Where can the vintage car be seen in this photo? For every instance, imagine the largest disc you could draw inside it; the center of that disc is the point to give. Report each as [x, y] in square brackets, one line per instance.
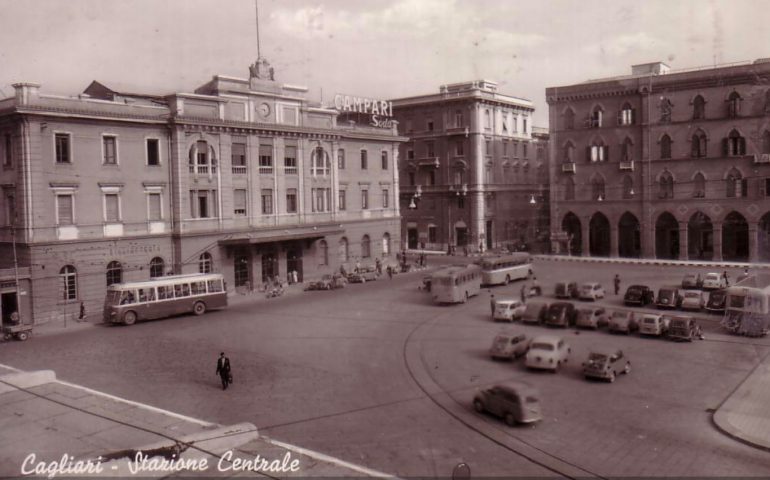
[591, 317]
[534, 312]
[566, 290]
[639, 295]
[426, 282]
[714, 281]
[363, 276]
[668, 297]
[591, 291]
[509, 345]
[716, 301]
[653, 324]
[547, 352]
[623, 322]
[692, 300]
[508, 310]
[682, 328]
[606, 364]
[691, 280]
[327, 282]
[515, 402]
[561, 314]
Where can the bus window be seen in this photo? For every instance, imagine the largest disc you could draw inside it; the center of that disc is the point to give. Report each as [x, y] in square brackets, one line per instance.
[127, 297]
[113, 297]
[146, 294]
[164, 293]
[198, 288]
[178, 291]
[214, 286]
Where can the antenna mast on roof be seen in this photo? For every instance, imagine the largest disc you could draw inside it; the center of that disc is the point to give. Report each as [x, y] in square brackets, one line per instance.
[261, 69]
[256, 9]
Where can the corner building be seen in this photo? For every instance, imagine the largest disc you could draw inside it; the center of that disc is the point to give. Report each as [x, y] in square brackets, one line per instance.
[474, 171]
[663, 164]
[245, 177]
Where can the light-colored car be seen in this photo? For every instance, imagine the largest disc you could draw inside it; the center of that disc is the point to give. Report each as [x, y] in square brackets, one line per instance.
[547, 352]
[509, 345]
[623, 321]
[591, 317]
[534, 311]
[515, 402]
[606, 364]
[683, 328]
[714, 281]
[591, 291]
[653, 324]
[509, 310]
[692, 300]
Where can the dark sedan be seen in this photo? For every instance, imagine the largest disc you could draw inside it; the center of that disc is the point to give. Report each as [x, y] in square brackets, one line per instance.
[639, 295]
[561, 314]
[716, 301]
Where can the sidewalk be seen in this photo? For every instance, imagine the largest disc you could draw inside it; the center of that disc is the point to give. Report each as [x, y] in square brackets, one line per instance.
[49, 419]
[745, 415]
[652, 261]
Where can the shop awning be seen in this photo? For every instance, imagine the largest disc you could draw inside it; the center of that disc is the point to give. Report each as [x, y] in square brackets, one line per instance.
[281, 236]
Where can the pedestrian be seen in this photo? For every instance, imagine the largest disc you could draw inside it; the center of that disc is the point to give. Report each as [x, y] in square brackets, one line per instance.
[358, 266]
[535, 290]
[524, 292]
[390, 272]
[492, 304]
[616, 281]
[378, 266]
[82, 316]
[727, 280]
[743, 276]
[223, 370]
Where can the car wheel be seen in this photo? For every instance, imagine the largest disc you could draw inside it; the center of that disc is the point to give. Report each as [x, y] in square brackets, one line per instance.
[510, 420]
[612, 377]
[129, 318]
[199, 308]
[627, 370]
[22, 336]
[478, 406]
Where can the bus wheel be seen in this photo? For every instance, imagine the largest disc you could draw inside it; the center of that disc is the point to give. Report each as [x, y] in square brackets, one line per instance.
[199, 308]
[129, 318]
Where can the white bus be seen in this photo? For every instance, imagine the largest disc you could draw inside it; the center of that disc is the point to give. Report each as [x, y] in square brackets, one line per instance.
[163, 297]
[506, 268]
[456, 284]
[747, 306]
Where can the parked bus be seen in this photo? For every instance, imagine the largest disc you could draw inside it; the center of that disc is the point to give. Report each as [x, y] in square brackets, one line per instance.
[163, 297]
[747, 307]
[506, 268]
[456, 284]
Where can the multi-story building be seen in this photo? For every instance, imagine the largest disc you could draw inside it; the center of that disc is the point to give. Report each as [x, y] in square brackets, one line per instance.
[474, 173]
[663, 164]
[245, 177]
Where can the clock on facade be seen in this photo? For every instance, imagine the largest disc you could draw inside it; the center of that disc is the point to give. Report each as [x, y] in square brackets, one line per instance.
[264, 110]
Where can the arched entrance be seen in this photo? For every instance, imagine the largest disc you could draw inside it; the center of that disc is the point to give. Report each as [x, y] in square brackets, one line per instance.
[599, 235]
[700, 236]
[667, 237]
[735, 238]
[763, 239]
[570, 225]
[629, 236]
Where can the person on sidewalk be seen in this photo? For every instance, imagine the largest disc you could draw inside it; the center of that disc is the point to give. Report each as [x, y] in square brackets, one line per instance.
[492, 304]
[743, 276]
[524, 292]
[223, 370]
[616, 281]
[82, 316]
[390, 272]
[727, 280]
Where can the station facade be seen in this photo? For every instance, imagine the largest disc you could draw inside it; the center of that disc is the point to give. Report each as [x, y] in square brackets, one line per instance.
[663, 164]
[245, 177]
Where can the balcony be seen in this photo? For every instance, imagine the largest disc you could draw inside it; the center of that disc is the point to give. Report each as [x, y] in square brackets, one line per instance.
[203, 169]
[762, 158]
[458, 131]
[239, 170]
[432, 162]
[628, 165]
[266, 170]
[290, 170]
[568, 167]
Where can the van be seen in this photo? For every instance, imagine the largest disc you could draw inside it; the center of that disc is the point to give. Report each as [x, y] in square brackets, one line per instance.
[534, 312]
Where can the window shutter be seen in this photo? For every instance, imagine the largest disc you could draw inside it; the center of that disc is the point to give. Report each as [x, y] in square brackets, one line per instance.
[606, 149]
[588, 154]
[65, 209]
[111, 207]
[725, 147]
[633, 116]
[155, 213]
[744, 187]
[742, 146]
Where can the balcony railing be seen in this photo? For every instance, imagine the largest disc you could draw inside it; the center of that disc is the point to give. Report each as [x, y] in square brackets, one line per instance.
[568, 167]
[239, 170]
[266, 170]
[203, 169]
[457, 130]
[429, 162]
[762, 158]
[290, 170]
[627, 165]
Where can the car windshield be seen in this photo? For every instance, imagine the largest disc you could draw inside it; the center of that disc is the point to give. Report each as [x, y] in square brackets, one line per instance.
[634, 289]
[712, 276]
[650, 320]
[585, 313]
[597, 357]
[717, 296]
[666, 292]
[542, 346]
[619, 316]
[678, 323]
[692, 295]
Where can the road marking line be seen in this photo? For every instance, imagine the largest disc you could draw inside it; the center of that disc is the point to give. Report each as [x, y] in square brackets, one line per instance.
[2, 365]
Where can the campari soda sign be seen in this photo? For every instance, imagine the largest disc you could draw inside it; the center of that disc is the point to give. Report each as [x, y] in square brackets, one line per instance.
[381, 111]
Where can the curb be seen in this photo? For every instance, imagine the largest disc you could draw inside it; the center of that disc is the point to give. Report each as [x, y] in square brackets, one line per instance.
[14, 381]
[724, 426]
[652, 262]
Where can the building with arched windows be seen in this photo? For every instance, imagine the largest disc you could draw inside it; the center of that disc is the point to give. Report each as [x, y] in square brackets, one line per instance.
[245, 177]
[474, 173]
[676, 164]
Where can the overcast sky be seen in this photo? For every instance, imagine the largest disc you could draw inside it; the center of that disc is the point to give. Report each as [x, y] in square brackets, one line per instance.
[382, 49]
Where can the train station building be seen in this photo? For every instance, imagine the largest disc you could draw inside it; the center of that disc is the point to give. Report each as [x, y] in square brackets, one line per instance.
[243, 176]
[663, 164]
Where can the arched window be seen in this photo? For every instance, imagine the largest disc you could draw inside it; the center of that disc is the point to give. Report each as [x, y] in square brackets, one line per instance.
[319, 163]
[627, 148]
[386, 245]
[366, 247]
[459, 174]
[699, 185]
[343, 251]
[665, 146]
[569, 152]
[156, 267]
[323, 253]
[569, 119]
[698, 108]
[734, 145]
[569, 188]
[666, 185]
[734, 105]
[202, 159]
[628, 187]
[735, 184]
[597, 188]
[69, 283]
[595, 120]
[626, 115]
[598, 152]
[699, 141]
[205, 263]
[114, 273]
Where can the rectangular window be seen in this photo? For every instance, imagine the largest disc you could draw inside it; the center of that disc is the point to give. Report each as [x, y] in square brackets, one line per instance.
[385, 198]
[460, 148]
[7, 151]
[153, 151]
[341, 200]
[410, 154]
[432, 234]
[64, 209]
[265, 159]
[364, 160]
[515, 149]
[10, 214]
[461, 202]
[238, 154]
[767, 187]
[430, 149]
[62, 148]
[429, 124]
[523, 150]
[267, 201]
[110, 150]
[291, 200]
[341, 159]
[239, 202]
[505, 148]
[111, 208]
[203, 204]
[290, 159]
[155, 211]
[488, 148]
[524, 125]
[515, 124]
[384, 160]
[364, 199]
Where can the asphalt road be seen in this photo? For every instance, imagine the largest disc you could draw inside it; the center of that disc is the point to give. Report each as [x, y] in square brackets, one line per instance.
[360, 374]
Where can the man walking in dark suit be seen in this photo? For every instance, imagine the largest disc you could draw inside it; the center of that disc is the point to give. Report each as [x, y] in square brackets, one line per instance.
[223, 370]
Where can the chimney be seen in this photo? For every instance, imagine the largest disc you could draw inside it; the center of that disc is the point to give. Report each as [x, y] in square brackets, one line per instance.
[26, 92]
[654, 68]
